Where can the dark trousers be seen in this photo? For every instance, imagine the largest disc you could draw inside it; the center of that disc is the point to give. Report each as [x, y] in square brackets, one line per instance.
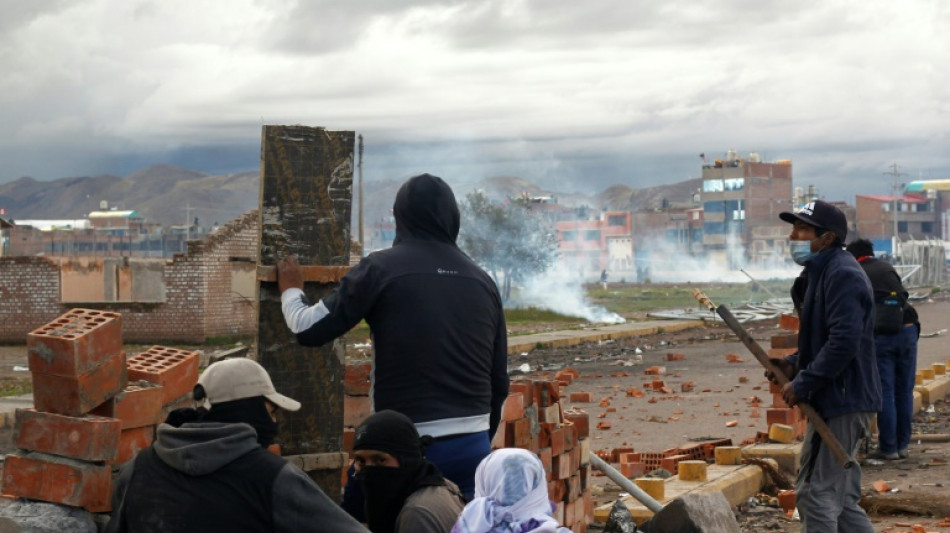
[897, 366]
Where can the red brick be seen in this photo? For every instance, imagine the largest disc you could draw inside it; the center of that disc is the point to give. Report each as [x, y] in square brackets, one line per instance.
[75, 343]
[670, 356]
[355, 410]
[687, 386]
[570, 436]
[48, 478]
[138, 404]
[580, 420]
[498, 441]
[550, 414]
[575, 454]
[617, 452]
[356, 381]
[513, 408]
[547, 393]
[569, 513]
[788, 416]
[76, 396]
[132, 441]
[557, 490]
[671, 464]
[557, 441]
[525, 388]
[582, 397]
[574, 486]
[633, 470]
[564, 377]
[628, 457]
[89, 438]
[561, 466]
[546, 460]
[781, 353]
[657, 384]
[778, 401]
[518, 433]
[175, 370]
[788, 322]
[787, 340]
[786, 500]
[349, 439]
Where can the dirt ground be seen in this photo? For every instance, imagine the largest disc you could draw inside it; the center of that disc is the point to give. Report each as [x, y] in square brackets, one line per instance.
[723, 393]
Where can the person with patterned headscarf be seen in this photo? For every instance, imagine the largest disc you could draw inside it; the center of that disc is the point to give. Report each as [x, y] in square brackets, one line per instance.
[511, 496]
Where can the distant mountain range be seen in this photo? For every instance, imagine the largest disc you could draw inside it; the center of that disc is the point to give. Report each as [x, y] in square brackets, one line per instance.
[173, 195]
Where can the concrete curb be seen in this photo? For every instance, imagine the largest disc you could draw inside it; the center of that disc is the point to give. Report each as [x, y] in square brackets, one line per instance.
[559, 339]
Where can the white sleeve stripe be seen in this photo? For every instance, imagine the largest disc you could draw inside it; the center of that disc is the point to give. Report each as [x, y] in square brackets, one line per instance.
[298, 316]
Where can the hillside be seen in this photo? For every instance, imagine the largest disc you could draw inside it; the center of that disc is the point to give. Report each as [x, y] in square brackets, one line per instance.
[173, 195]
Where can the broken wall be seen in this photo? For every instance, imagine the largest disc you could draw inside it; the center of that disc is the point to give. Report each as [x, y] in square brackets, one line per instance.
[187, 299]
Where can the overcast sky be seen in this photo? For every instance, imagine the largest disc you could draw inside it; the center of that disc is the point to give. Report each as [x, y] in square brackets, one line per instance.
[573, 95]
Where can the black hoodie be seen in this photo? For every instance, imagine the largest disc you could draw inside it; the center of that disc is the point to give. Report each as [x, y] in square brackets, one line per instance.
[436, 319]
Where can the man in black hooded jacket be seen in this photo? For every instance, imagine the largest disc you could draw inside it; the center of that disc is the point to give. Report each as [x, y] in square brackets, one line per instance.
[438, 328]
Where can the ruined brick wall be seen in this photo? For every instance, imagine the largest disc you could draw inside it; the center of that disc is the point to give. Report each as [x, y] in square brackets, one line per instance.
[29, 296]
[226, 255]
[199, 297]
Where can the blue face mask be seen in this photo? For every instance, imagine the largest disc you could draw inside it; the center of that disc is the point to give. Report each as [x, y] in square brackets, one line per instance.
[801, 251]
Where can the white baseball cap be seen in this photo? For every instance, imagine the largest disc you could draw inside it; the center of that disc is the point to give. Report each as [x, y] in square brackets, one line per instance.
[239, 378]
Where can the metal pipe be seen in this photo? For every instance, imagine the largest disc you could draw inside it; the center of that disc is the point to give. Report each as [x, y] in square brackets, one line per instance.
[625, 484]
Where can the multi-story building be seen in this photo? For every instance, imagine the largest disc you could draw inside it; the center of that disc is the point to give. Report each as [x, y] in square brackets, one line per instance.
[915, 217]
[741, 200]
[603, 242]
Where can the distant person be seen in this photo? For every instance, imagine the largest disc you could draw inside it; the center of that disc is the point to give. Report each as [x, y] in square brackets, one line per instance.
[437, 324]
[208, 470]
[834, 369]
[603, 278]
[896, 330]
[404, 492]
[511, 495]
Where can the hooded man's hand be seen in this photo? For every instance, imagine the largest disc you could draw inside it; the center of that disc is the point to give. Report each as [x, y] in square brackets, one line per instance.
[289, 274]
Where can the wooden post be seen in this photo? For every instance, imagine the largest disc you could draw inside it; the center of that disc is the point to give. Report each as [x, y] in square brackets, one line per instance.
[306, 195]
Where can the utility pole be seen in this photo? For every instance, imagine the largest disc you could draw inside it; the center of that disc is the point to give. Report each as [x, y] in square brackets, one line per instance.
[360, 167]
[896, 174]
[187, 221]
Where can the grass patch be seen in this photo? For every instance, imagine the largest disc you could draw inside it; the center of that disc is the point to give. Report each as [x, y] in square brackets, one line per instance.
[15, 387]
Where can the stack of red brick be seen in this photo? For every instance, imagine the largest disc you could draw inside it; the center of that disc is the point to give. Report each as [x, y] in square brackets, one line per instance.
[534, 419]
[782, 345]
[356, 403]
[88, 418]
[637, 464]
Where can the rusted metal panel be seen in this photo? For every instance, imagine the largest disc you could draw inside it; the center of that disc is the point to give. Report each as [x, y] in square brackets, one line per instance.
[306, 193]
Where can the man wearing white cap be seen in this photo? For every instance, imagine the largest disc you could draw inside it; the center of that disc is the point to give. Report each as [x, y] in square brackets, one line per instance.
[208, 469]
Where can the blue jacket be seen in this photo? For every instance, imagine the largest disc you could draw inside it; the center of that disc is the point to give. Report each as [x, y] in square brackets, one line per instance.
[835, 364]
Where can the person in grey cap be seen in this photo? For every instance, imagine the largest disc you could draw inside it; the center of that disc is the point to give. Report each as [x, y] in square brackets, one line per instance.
[834, 369]
[208, 469]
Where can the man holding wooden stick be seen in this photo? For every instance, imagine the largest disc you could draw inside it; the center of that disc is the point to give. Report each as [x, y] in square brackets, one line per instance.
[834, 370]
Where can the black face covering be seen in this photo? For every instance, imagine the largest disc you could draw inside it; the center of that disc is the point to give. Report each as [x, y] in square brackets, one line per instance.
[252, 411]
[386, 490]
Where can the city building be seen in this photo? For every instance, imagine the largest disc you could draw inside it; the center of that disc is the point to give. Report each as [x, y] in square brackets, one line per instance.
[741, 201]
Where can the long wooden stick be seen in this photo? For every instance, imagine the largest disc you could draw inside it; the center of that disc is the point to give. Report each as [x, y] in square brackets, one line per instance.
[827, 437]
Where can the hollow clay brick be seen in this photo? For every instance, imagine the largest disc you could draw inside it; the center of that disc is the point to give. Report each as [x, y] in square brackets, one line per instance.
[48, 478]
[88, 438]
[76, 396]
[175, 370]
[75, 343]
[138, 404]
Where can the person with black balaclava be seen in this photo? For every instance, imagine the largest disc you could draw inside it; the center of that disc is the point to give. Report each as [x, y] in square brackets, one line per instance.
[209, 469]
[440, 348]
[404, 492]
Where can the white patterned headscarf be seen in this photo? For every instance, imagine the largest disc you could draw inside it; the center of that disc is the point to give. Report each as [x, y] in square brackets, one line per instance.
[511, 496]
